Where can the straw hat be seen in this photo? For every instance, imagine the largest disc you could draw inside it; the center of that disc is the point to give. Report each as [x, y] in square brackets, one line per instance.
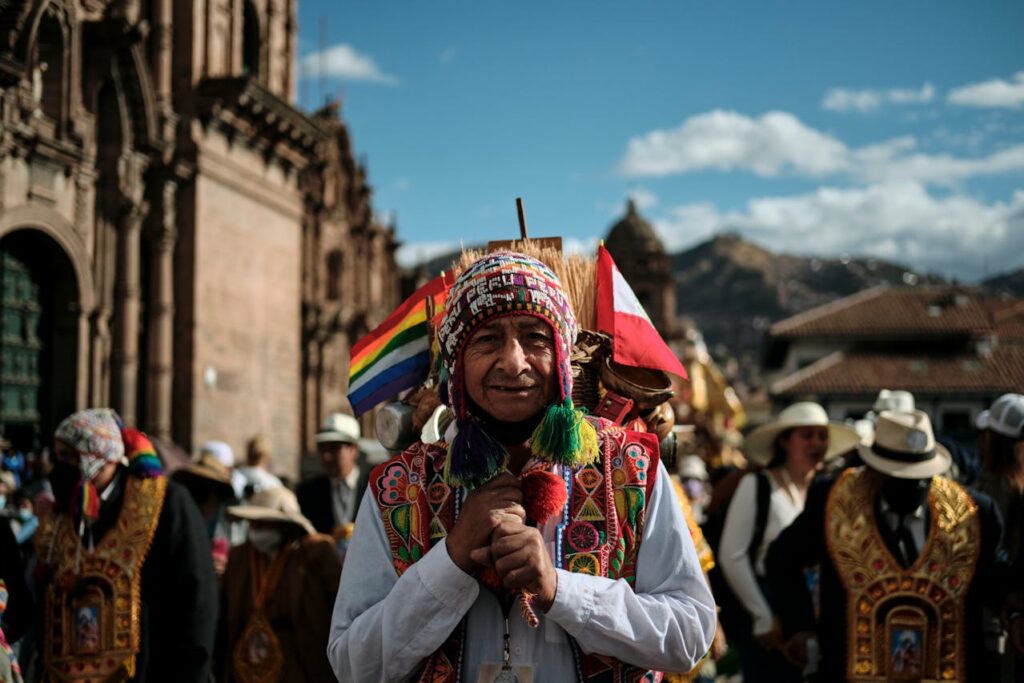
[277, 504]
[207, 468]
[905, 447]
[759, 444]
[339, 428]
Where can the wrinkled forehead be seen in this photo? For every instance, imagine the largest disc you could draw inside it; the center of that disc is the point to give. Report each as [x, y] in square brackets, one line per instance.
[516, 323]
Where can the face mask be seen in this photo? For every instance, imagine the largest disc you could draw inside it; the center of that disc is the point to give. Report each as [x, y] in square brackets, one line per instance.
[905, 495]
[3, 500]
[694, 489]
[64, 478]
[24, 514]
[265, 540]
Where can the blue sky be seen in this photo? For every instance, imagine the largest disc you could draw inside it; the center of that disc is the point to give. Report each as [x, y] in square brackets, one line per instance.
[887, 129]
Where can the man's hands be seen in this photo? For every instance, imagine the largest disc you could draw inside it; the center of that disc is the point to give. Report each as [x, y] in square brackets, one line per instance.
[491, 531]
[519, 557]
[486, 507]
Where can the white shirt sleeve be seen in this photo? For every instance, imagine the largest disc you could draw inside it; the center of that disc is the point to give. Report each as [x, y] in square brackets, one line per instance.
[384, 625]
[668, 621]
[737, 566]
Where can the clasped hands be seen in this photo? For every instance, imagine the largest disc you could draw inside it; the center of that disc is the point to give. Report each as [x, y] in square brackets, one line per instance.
[491, 531]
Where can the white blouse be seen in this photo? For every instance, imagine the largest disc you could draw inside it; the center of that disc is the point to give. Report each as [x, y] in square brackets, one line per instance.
[784, 506]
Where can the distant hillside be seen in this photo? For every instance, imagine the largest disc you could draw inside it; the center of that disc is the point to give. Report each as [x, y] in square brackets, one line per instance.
[1008, 283]
[734, 289]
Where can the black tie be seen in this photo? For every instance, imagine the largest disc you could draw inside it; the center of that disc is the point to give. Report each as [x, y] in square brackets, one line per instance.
[905, 539]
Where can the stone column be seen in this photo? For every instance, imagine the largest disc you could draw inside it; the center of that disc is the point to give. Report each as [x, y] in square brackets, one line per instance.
[161, 316]
[163, 37]
[126, 305]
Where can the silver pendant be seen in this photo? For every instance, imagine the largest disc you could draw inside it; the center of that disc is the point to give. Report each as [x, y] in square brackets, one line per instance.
[506, 676]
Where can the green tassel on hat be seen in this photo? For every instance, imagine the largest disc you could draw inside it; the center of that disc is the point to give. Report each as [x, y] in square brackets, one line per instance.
[564, 436]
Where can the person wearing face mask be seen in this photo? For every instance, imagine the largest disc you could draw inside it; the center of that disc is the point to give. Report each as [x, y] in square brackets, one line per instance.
[791, 449]
[908, 559]
[279, 589]
[125, 576]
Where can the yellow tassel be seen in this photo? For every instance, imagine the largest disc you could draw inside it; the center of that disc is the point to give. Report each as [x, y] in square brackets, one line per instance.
[590, 449]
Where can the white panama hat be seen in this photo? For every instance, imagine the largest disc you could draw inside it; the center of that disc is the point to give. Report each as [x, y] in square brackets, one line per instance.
[905, 447]
[693, 467]
[339, 428]
[759, 444]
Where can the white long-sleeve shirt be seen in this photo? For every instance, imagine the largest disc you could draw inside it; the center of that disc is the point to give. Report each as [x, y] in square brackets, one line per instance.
[738, 532]
[384, 625]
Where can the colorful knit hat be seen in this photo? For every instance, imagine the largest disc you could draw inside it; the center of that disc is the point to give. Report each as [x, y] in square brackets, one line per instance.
[501, 284]
[100, 437]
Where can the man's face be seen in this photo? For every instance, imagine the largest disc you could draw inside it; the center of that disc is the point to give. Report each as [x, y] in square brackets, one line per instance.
[509, 367]
[337, 459]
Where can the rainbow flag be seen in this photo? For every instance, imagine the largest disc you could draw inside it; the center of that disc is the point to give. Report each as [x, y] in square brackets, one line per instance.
[395, 355]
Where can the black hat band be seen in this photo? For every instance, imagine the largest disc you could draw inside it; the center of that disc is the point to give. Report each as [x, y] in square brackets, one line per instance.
[902, 456]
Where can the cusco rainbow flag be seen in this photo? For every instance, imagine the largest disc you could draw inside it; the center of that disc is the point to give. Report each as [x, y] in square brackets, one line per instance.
[396, 355]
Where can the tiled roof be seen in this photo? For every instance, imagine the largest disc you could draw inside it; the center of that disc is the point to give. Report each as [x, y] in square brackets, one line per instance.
[861, 373]
[894, 312]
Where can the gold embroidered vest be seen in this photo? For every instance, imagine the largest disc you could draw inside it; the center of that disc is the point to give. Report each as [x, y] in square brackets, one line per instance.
[904, 624]
[93, 601]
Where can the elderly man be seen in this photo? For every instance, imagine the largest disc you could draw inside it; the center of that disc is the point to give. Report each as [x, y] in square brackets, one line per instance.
[331, 499]
[607, 578]
[131, 593]
[908, 558]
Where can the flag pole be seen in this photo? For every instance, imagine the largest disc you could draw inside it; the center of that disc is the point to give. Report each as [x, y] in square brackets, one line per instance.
[522, 218]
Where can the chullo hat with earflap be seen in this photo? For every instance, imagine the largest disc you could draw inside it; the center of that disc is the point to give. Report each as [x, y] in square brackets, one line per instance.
[500, 284]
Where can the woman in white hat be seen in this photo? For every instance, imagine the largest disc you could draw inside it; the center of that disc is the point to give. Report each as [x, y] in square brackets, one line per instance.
[790, 450]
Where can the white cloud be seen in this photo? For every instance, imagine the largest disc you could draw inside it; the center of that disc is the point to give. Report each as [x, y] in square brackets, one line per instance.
[995, 92]
[940, 169]
[410, 254]
[900, 221]
[577, 245]
[844, 99]
[344, 62]
[643, 198]
[725, 140]
[778, 143]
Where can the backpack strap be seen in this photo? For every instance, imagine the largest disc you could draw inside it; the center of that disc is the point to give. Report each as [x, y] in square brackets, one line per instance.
[764, 499]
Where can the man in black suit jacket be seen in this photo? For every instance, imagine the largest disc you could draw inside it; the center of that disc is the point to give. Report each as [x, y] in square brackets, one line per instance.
[331, 499]
[907, 560]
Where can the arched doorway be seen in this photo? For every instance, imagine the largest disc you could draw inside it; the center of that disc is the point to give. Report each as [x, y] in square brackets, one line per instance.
[38, 338]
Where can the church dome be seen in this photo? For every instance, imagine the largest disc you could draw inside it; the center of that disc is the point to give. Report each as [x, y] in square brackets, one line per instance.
[633, 235]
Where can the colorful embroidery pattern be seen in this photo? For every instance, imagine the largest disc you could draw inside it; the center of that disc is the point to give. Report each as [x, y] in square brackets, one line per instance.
[600, 531]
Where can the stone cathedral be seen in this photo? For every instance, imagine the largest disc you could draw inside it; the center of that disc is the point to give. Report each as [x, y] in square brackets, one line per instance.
[177, 239]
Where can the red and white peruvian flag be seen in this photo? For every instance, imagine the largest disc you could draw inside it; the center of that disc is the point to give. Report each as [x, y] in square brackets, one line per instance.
[620, 315]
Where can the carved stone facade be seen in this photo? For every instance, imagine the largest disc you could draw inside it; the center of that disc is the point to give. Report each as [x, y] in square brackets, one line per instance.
[178, 240]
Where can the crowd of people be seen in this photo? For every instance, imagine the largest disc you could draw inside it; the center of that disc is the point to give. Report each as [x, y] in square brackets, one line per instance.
[529, 540]
[113, 569]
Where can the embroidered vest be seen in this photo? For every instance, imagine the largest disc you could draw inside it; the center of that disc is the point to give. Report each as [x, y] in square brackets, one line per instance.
[903, 624]
[599, 532]
[93, 601]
